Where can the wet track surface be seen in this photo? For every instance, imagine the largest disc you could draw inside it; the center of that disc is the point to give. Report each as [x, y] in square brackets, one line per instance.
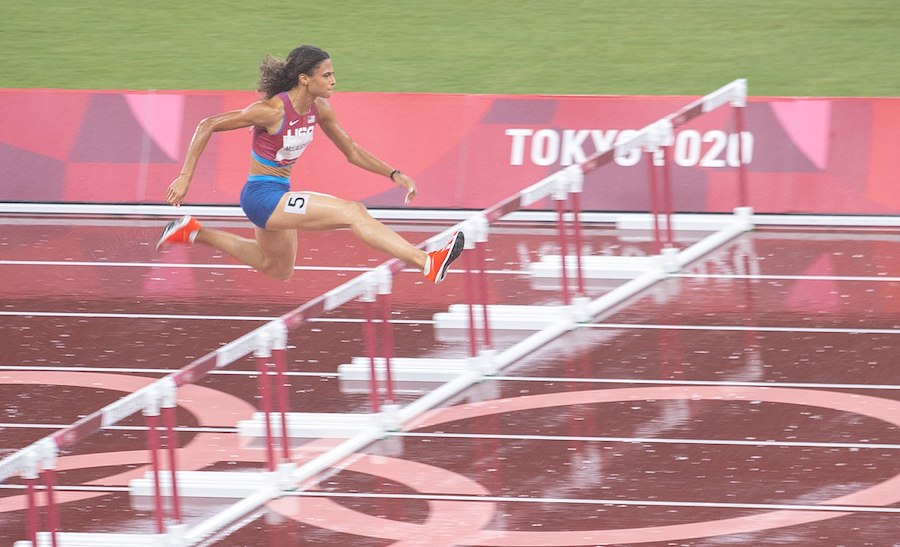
[751, 399]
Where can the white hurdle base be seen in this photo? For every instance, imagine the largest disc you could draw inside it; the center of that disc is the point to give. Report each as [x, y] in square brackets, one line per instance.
[595, 286]
[80, 539]
[680, 222]
[309, 425]
[208, 484]
[595, 267]
[409, 375]
[406, 369]
[502, 317]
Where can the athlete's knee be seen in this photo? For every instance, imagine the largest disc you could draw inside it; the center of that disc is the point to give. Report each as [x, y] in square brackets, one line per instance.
[280, 274]
[281, 271]
[357, 211]
[283, 274]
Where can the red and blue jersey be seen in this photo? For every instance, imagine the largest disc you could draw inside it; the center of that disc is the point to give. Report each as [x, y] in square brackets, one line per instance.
[273, 155]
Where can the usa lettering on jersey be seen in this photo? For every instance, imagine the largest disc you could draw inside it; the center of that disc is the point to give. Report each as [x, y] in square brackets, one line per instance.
[294, 142]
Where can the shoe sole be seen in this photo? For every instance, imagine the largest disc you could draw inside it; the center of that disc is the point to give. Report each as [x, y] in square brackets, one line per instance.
[171, 227]
[458, 244]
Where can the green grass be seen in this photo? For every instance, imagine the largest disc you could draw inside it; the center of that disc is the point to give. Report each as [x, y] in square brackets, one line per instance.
[783, 47]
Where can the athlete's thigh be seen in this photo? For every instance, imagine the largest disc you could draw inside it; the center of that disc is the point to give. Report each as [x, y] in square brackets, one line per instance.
[312, 211]
[278, 245]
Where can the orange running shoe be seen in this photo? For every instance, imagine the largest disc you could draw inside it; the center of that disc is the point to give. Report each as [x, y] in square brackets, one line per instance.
[438, 262]
[179, 231]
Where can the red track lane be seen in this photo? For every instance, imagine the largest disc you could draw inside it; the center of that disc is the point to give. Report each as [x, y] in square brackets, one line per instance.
[724, 403]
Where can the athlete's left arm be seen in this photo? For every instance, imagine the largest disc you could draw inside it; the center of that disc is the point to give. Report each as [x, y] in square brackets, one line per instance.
[356, 154]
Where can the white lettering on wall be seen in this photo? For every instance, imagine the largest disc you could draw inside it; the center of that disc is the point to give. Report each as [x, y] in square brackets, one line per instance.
[714, 148]
[545, 147]
[517, 152]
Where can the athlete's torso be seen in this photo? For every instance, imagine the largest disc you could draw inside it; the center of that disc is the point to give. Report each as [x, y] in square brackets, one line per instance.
[273, 155]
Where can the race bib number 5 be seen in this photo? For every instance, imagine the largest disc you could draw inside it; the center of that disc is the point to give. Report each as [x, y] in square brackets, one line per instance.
[296, 203]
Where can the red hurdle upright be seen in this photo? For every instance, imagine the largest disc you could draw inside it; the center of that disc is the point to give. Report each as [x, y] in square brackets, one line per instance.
[385, 278]
[151, 418]
[263, 354]
[279, 335]
[168, 405]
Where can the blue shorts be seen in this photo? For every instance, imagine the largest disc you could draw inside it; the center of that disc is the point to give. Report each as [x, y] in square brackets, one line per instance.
[260, 197]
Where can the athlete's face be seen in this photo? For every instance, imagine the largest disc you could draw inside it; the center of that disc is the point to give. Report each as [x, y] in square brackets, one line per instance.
[321, 82]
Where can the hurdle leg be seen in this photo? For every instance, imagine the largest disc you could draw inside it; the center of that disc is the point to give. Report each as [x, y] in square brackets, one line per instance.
[171, 449]
[667, 196]
[33, 520]
[387, 332]
[370, 343]
[576, 229]
[52, 511]
[151, 417]
[279, 356]
[263, 354]
[563, 246]
[470, 300]
[654, 202]
[743, 194]
[482, 283]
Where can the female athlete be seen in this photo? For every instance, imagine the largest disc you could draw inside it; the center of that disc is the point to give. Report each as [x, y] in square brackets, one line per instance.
[296, 93]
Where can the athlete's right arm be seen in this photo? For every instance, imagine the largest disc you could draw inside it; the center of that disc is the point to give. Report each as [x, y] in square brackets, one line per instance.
[260, 113]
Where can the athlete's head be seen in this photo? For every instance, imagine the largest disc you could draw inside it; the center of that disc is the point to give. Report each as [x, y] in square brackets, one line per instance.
[276, 76]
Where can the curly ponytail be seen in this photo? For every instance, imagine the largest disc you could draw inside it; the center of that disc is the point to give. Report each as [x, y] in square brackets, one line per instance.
[276, 76]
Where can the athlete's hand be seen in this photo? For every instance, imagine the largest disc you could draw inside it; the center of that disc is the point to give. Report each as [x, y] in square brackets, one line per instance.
[177, 190]
[407, 182]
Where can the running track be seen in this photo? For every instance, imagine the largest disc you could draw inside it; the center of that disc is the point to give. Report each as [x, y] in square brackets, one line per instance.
[751, 399]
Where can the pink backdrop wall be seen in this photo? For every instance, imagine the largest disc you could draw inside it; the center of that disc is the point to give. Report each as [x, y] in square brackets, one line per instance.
[809, 155]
